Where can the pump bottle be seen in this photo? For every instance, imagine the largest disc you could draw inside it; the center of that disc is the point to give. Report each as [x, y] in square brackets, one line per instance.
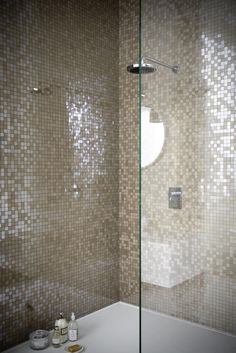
[73, 329]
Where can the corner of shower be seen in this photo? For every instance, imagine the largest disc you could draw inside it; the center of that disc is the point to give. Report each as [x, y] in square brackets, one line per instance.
[183, 281]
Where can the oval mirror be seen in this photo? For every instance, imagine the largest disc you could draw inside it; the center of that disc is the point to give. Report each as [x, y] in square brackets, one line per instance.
[152, 137]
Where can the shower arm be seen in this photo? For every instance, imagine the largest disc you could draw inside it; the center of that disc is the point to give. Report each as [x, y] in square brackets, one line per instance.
[174, 68]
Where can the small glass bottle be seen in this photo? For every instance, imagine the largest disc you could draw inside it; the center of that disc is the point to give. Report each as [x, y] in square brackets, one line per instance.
[56, 338]
[73, 329]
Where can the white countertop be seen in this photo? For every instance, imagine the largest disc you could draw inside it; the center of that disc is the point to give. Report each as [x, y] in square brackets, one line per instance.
[115, 329]
[109, 330]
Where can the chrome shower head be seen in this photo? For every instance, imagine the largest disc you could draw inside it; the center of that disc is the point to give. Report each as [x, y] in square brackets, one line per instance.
[145, 68]
[149, 68]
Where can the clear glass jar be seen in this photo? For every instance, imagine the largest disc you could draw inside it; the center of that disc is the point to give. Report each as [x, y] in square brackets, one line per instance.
[39, 339]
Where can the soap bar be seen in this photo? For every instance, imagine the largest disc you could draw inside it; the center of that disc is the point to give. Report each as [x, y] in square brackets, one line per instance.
[74, 348]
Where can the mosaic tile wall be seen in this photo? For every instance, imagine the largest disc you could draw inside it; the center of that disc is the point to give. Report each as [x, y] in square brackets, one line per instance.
[198, 108]
[128, 153]
[59, 161]
[197, 105]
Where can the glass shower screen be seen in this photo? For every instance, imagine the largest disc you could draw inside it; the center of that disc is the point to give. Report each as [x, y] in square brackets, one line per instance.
[187, 176]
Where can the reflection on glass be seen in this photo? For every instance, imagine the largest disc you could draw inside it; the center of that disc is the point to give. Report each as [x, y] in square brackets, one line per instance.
[152, 138]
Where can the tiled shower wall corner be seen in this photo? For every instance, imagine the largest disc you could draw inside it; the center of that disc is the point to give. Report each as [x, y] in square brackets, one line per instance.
[59, 161]
[128, 152]
[198, 109]
[197, 106]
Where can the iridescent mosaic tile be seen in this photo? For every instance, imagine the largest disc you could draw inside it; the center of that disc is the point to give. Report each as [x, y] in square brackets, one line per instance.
[59, 162]
[188, 254]
[128, 153]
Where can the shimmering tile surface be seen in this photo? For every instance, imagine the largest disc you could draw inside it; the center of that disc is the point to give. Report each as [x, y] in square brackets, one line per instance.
[198, 108]
[128, 152]
[59, 161]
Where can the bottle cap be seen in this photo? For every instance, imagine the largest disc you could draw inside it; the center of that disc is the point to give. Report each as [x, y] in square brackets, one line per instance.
[72, 316]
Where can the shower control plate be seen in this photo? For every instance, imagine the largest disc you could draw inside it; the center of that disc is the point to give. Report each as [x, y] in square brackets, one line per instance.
[175, 197]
